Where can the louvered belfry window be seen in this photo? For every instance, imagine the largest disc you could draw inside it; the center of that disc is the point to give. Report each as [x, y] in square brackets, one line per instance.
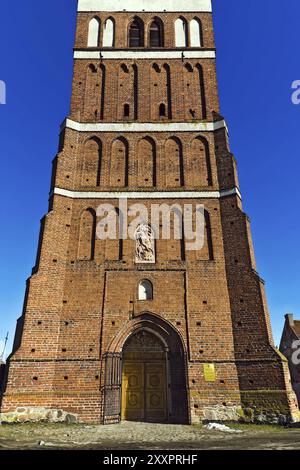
[136, 34]
[155, 35]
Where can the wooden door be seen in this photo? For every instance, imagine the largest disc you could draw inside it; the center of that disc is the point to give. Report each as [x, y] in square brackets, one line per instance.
[133, 385]
[155, 392]
[144, 392]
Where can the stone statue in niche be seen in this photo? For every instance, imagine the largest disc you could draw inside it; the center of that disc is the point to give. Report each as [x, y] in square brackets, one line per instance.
[145, 244]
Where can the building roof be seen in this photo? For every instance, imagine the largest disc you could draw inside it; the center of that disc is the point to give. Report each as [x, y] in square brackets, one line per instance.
[297, 327]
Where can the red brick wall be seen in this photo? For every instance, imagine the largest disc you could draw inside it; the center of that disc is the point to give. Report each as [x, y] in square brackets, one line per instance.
[106, 104]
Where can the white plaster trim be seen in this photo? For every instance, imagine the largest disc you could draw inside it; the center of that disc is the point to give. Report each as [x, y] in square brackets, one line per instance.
[149, 54]
[144, 127]
[145, 5]
[146, 195]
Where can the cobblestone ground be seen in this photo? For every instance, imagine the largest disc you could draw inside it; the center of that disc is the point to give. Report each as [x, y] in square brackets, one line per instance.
[135, 436]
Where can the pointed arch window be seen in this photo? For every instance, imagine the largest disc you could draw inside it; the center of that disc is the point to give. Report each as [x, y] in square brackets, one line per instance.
[147, 162]
[196, 33]
[136, 33]
[119, 163]
[156, 34]
[174, 162]
[87, 236]
[92, 160]
[181, 32]
[94, 32]
[109, 33]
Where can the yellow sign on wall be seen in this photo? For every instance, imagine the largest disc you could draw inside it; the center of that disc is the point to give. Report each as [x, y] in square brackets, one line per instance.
[209, 372]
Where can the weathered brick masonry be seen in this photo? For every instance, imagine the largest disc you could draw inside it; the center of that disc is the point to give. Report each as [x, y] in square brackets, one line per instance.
[145, 119]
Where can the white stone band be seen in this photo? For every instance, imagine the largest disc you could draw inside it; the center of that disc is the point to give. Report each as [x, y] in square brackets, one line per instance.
[144, 127]
[147, 195]
[145, 5]
[148, 54]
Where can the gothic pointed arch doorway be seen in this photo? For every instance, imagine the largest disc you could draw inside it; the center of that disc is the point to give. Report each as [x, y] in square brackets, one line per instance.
[145, 379]
[145, 373]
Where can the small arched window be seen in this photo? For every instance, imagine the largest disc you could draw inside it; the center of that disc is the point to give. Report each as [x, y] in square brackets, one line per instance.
[156, 34]
[94, 32]
[136, 33]
[162, 110]
[196, 33]
[109, 33]
[145, 290]
[126, 110]
[181, 33]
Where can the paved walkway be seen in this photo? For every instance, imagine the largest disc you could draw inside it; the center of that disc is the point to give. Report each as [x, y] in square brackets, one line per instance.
[134, 436]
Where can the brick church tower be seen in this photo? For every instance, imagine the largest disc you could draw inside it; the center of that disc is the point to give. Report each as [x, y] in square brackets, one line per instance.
[143, 329]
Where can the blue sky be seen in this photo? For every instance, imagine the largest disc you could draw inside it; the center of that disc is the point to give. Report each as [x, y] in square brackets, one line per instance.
[257, 62]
